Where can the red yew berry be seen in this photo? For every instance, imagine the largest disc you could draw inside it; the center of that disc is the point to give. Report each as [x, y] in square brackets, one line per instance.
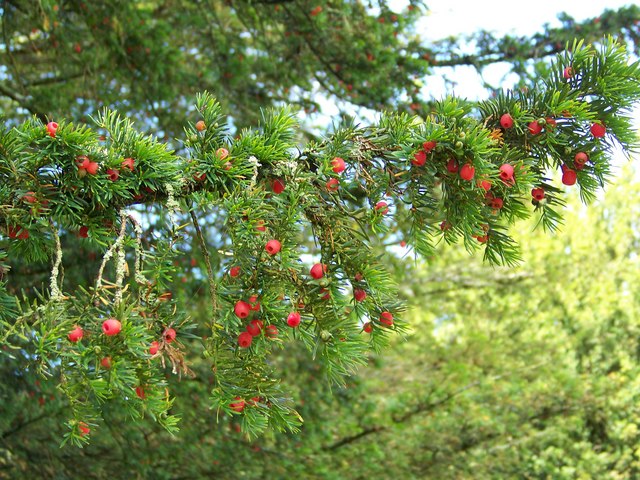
[222, 153]
[333, 184]
[429, 145]
[293, 320]
[271, 331]
[272, 247]
[128, 164]
[538, 194]
[326, 294]
[113, 174]
[506, 121]
[567, 73]
[496, 203]
[467, 171]
[338, 165]
[359, 294]
[506, 173]
[84, 429]
[76, 334]
[52, 128]
[598, 130]
[403, 243]
[24, 234]
[83, 232]
[169, 335]
[382, 208]
[238, 405]
[200, 125]
[92, 168]
[278, 186]
[318, 270]
[245, 339]
[255, 327]
[255, 304]
[358, 277]
[419, 158]
[581, 158]
[234, 271]
[551, 122]
[242, 309]
[484, 184]
[140, 392]
[569, 176]
[482, 238]
[77, 47]
[535, 128]
[316, 11]
[260, 226]
[29, 197]
[106, 362]
[367, 327]
[386, 318]
[111, 326]
[452, 165]
[444, 226]
[154, 347]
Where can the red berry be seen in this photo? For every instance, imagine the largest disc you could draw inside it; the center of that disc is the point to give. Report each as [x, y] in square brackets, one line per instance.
[358, 277]
[200, 125]
[444, 225]
[551, 122]
[293, 320]
[278, 186]
[482, 238]
[169, 335]
[581, 158]
[598, 130]
[316, 11]
[567, 73]
[113, 174]
[496, 203]
[255, 304]
[29, 197]
[238, 405]
[338, 165]
[272, 247]
[368, 327]
[106, 362]
[242, 309]
[386, 318]
[326, 294]
[222, 153]
[506, 173]
[153, 348]
[569, 176]
[140, 392]
[245, 339]
[452, 165]
[318, 270]
[271, 331]
[333, 184]
[52, 128]
[538, 194]
[83, 232]
[92, 168]
[24, 234]
[403, 243]
[429, 145]
[467, 171]
[485, 184]
[76, 334]
[419, 158]
[234, 271]
[255, 327]
[382, 208]
[506, 121]
[260, 226]
[84, 429]
[359, 294]
[111, 326]
[535, 128]
[128, 164]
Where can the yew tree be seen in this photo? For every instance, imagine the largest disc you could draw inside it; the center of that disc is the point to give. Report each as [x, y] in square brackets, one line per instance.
[284, 234]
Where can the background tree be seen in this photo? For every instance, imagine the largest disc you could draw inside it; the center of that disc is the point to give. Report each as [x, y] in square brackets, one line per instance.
[464, 173]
